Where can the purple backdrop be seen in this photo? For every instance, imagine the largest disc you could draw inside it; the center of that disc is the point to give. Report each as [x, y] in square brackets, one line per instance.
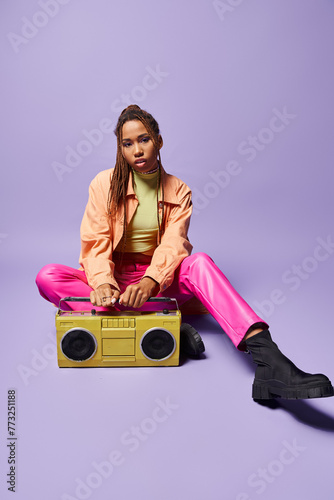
[243, 92]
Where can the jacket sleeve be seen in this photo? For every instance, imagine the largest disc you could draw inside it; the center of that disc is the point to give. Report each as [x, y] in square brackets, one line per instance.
[174, 246]
[96, 239]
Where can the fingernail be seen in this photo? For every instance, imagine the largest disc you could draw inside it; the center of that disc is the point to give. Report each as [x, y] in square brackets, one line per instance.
[113, 301]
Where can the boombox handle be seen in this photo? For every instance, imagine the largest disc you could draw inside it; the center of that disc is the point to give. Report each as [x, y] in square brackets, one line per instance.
[87, 299]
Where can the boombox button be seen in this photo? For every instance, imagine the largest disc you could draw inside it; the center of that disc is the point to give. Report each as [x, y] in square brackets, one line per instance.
[165, 311]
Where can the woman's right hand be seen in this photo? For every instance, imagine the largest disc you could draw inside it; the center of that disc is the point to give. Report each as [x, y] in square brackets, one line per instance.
[105, 295]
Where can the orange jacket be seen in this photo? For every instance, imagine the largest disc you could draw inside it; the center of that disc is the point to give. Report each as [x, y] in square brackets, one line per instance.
[99, 235]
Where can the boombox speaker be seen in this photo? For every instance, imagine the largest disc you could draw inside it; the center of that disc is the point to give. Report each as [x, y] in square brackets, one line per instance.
[118, 338]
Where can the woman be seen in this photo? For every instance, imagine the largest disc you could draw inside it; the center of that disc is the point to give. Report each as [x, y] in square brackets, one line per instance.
[134, 245]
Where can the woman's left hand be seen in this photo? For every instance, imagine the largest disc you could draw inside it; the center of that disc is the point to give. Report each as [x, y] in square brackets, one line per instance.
[136, 295]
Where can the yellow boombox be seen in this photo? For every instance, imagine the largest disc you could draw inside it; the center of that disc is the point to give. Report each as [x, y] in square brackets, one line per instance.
[118, 338]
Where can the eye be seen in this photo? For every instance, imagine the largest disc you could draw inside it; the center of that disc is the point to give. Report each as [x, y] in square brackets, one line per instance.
[126, 144]
[145, 140]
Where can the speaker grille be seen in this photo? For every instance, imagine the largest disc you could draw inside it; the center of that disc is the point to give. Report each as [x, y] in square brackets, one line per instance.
[157, 344]
[78, 344]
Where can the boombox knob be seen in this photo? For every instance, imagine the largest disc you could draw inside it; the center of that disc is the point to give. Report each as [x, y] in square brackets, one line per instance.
[93, 311]
[165, 311]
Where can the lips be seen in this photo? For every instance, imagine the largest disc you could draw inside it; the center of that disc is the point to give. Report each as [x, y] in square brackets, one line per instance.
[140, 162]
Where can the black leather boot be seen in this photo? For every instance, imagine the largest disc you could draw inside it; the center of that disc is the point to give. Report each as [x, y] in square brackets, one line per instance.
[276, 376]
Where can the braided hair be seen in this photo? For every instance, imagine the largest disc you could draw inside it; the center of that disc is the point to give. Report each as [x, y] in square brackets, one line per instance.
[120, 178]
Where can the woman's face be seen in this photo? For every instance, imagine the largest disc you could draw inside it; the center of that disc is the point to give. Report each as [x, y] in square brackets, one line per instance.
[137, 147]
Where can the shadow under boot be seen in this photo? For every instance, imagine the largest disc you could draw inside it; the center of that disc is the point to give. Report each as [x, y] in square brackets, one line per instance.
[277, 377]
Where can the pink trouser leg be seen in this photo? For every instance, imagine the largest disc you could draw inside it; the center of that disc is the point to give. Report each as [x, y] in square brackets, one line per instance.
[55, 281]
[198, 275]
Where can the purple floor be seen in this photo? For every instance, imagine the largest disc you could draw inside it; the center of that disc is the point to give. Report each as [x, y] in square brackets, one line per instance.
[103, 427]
[243, 95]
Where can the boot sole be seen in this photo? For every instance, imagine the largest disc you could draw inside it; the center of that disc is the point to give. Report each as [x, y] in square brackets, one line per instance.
[272, 389]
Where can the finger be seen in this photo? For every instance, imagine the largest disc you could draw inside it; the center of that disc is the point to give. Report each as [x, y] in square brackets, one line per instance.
[140, 298]
[122, 299]
[115, 297]
[126, 298]
[106, 294]
[112, 298]
[102, 297]
[108, 298]
[92, 298]
[98, 301]
[105, 299]
[143, 299]
[136, 299]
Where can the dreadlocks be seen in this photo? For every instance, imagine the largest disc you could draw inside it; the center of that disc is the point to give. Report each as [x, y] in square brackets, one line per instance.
[120, 178]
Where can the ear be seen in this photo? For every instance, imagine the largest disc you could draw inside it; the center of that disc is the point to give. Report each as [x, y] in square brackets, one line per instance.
[160, 141]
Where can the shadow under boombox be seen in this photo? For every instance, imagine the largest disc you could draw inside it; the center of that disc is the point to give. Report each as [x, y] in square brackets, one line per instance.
[118, 338]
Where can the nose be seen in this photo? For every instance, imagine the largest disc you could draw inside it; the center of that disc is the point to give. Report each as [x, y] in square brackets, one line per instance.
[138, 150]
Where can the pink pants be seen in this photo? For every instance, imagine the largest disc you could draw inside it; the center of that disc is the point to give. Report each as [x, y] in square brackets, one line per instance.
[196, 276]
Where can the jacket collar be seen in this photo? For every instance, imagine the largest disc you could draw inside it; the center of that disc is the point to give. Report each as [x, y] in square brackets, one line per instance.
[169, 192]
